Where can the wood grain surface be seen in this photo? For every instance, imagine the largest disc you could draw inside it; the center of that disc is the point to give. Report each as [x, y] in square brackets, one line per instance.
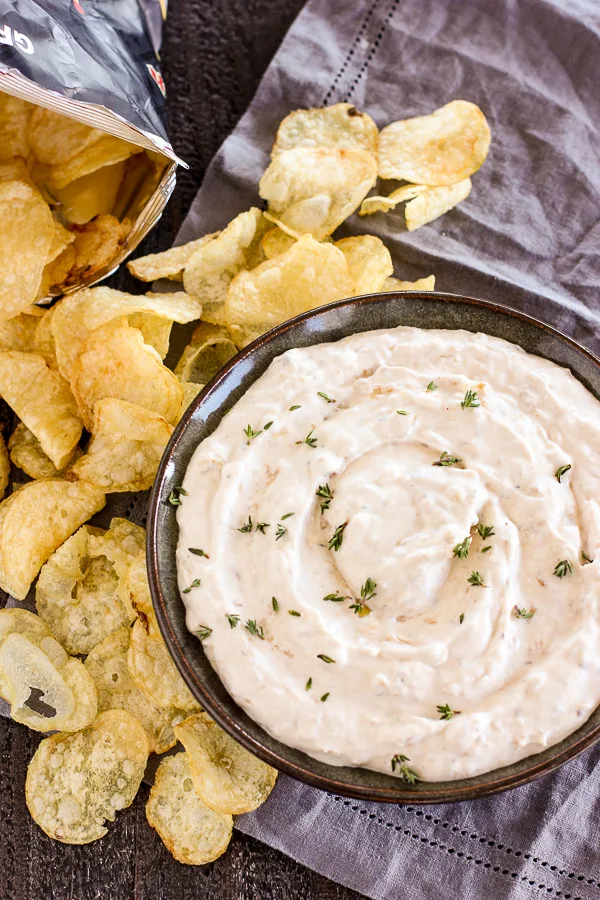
[214, 54]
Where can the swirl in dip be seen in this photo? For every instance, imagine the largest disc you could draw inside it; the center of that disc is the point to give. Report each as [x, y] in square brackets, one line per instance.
[476, 640]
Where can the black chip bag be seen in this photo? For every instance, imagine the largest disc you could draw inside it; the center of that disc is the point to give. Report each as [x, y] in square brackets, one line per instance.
[95, 63]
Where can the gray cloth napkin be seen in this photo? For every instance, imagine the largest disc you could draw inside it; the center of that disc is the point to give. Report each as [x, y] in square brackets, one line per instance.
[528, 236]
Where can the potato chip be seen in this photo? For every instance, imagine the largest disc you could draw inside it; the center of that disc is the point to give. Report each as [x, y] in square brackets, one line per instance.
[43, 340]
[275, 242]
[140, 597]
[190, 392]
[18, 333]
[92, 195]
[27, 230]
[76, 595]
[43, 401]
[14, 122]
[210, 348]
[422, 284]
[47, 512]
[115, 362]
[15, 169]
[169, 263]
[312, 191]
[76, 782]
[340, 125]
[211, 268]
[57, 273]
[154, 672]
[107, 664]
[442, 148]
[127, 444]
[369, 262]
[227, 777]
[55, 138]
[308, 275]
[155, 330]
[4, 467]
[26, 453]
[80, 313]
[106, 151]
[434, 203]
[47, 689]
[96, 244]
[374, 204]
[60, 239]
[190, 831]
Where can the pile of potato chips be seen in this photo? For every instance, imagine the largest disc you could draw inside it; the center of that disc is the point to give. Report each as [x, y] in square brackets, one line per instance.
[63, 189]
[96, 407]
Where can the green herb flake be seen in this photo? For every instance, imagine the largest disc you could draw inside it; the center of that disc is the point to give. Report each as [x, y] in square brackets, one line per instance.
[485, 531]
[197, 552]
[267, 426]
[367, 592]
[402, 412]
[325, 397]
[522, 613]
[461, 551]
[461, 618]
[446, 459]
[203, 632]
[260, 526]
[476, 580]
[326, 659]
[335, 598]
[335, 542]
[275, 604]
[562, 470]
[308, 685]
[195, 583]
[250, 433]
[233, 620]
[255, 629]
[280, 531]
[325, 492]
[586, 558]
[432, 386]
[294, 612]
[247, 528]
[485, 549]
[324, 697]
[287, 516]
[446, 712]
[471, 399]
[405, 772]
[309, 439]
[292, 408]
[562, 568]
[175, 496]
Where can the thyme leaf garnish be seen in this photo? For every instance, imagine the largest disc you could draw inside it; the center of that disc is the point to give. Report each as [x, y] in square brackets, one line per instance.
[522, 613]
[267, 426]
[280, 531]
[461, 618]
[562, 470]
[563, 567]
[335, 598]
[203, 632]
[432, 386]
[471, 399]
[476, 580]
[585, 557]
[326, 659]
[260, 526]
[247, 528]
[406, 773]
[325, 397]
[308, 685]
[195, 583]
[402, 412]
[309, 439]
[292, 408]
[255, 629]
[326, 493]
[176, 494]
[485, 531]
[198, 552]
[447, 460]
[461, 551]
[275, 604]
[287, 516]
[324, 697]
[367, 592]
[250, 433]
[294, 612]
[485, 549]
[446, 712]
[233, 620]
[335, 542]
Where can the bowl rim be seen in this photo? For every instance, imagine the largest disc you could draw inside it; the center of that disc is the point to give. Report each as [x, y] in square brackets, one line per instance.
[428, 792]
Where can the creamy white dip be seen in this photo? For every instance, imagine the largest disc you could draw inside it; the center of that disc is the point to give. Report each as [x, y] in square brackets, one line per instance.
[512, 683]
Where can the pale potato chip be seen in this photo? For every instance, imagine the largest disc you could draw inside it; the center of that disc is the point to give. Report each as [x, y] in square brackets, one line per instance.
[374, 204]
[47, 689]
[312, 191]
[369, 262]
[190, 831]
[115, 362]
[92, 195]
[26, 230]
[57, 273]
[76, 782]
[422, 284]
[15, 115]
[122, 545]
[55, 138]
[43, 401]
[275, 242]
[155, 330]
[169, 263]
[125, 450]
[106, 151]
[442, 148]
[140, 597]
[434, 203]
[211, 268]
[154, 672]
[308, 275]
[26, 453]
[43, 340]
[210, 348]
[61, 239]
[96, 244]
[107, 664]
[340, 125]
[190, 392]
[227, 777]
[48, 512]
[4, 467]
[19, 333]
[15, 169]
[76, 595]
[80, 313]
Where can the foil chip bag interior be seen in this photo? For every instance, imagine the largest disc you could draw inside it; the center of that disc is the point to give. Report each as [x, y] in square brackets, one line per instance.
[86, 166]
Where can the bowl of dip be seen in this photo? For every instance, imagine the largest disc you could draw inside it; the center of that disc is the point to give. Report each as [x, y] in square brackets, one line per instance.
[380, 576]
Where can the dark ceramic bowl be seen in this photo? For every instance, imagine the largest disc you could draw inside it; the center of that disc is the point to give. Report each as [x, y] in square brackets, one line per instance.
[330, 323]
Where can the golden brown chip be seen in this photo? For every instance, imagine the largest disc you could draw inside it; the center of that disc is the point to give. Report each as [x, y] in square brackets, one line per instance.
[77, 594]
[313, 190]
[106, 151]
[190, 392]
[4, 467]
[155, 330]
[227, 777]
[125, 450]
[43, 340]
[275, 242]
[211, 268]
[375, 204]
[55, 139]
[190, 831]
[369, 262]
[154, 672]
[96, 244]
[121, 546]
[434, 203]
[77, 782]
[18, 333]
[57, 273]
[92, 195]
[26, 233]
[26, 453]
[14, 122]
[442, 148]
[48, 512]
[80, 313]
[115, 362]
[43, 401]
[422, 284]
[169, 263]
[47, 689]
[340, 125]
[15, 169]
[140, 597]
[307, 275]
[60, 240]
[107, 664]
[210, 348]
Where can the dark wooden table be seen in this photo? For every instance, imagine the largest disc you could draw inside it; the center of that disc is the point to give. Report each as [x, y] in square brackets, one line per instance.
[214, 54]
